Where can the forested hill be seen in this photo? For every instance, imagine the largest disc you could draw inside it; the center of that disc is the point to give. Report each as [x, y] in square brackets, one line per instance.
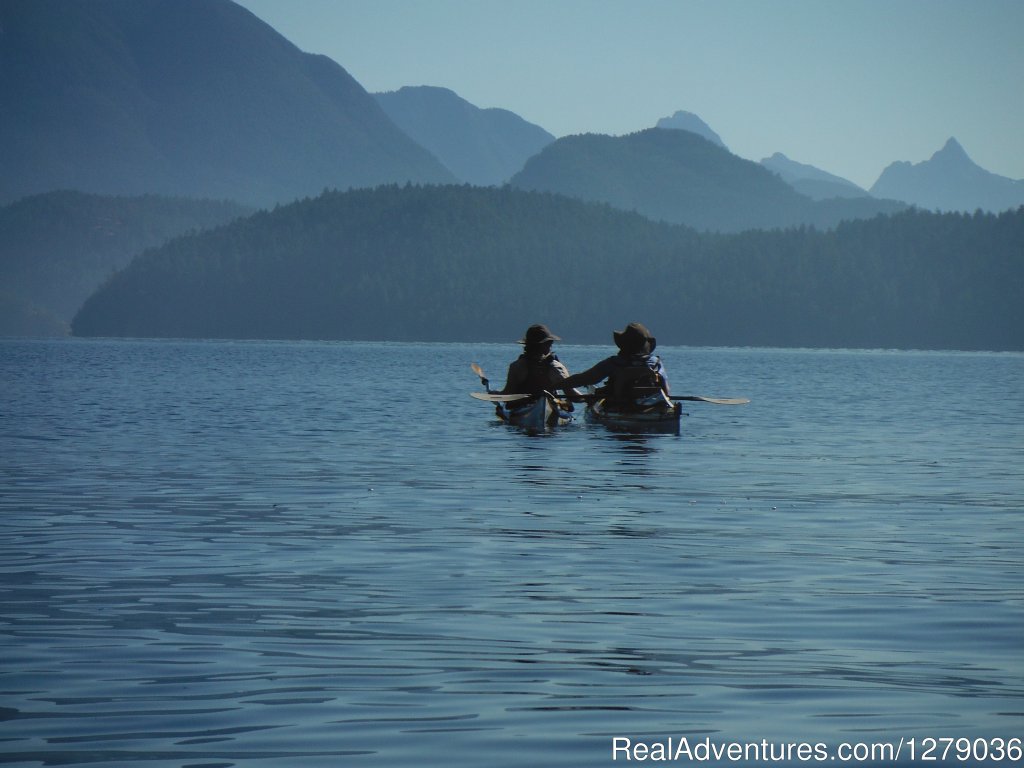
[57, 248]
[682, 178]
[475, 264]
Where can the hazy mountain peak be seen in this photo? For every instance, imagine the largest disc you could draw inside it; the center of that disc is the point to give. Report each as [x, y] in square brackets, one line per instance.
[811, 181]
[482, 146]
[687, 121]
[680, 177]
[952, 152]
[949, 181]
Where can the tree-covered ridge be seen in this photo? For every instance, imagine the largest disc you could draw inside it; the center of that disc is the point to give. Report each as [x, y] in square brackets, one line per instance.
[391, 263]
[464, 263]
[682, 178]
[57, 248]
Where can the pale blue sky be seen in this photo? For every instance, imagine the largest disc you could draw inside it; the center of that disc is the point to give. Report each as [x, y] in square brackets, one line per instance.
[848, 86]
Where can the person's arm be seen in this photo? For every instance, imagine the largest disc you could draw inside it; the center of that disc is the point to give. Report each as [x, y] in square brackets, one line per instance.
[559, 373]
[590, 376]
[664, 378]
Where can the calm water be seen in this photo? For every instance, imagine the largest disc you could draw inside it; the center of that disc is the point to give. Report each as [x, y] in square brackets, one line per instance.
[326, 554]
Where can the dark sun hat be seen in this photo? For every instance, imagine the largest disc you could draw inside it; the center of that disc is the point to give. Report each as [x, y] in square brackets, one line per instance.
[635, 338]
[538, 334]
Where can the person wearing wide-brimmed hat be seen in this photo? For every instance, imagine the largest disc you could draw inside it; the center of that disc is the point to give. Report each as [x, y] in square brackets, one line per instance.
[635, 372]
[538, 369]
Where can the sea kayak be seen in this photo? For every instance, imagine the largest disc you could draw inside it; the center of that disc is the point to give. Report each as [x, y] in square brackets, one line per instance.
[536, 414]
[529, 411]
[650, 415]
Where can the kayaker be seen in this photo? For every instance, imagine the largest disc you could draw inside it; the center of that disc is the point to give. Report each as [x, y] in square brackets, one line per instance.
[633, 374]
[538, 369]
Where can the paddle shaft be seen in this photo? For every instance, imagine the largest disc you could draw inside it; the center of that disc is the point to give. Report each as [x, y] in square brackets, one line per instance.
[695, 398]
[480, 372]
[591, 398]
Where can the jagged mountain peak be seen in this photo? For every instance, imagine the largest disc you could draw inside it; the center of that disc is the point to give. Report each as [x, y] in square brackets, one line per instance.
[949, 181]
[687, 121]
[952, 151]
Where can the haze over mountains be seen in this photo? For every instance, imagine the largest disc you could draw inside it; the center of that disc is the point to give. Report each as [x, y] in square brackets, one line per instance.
[687, 121]
[183, 97]
[682, 178]
[57, 248]
[479, 146]
[200, 99]
[813, 182]
[949, 181]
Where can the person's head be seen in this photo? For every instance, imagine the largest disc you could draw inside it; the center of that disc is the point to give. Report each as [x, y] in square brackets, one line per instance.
[635, 339]
[538, 339]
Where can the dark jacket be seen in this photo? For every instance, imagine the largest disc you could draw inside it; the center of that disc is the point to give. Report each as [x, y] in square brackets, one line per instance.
[531, 376]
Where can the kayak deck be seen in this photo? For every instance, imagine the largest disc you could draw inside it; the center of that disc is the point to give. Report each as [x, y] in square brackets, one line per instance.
[662, 416]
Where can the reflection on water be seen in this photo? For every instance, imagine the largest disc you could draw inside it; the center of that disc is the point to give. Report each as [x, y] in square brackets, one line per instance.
[218, 554]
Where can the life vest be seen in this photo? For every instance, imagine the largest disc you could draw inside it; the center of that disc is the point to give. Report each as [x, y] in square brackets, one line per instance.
[635, 377]
[538, 374]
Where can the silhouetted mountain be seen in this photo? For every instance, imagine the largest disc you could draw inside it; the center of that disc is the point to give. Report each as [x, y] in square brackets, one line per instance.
[949, 181]
[687, 121]
[479, 146]
[57, 248]
[808, 180]
[183, 97]
[682, 178]
[469, 263]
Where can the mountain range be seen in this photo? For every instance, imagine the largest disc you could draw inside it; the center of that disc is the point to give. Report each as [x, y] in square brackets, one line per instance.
[162, 100]
[194, 98]
[680, 177]
[200, 98]
[479, 146]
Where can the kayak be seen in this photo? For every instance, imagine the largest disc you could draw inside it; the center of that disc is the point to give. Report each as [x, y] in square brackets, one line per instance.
[658, 415]
[535, 414]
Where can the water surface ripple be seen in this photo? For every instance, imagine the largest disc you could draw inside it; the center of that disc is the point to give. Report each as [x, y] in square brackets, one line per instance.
[324, 554]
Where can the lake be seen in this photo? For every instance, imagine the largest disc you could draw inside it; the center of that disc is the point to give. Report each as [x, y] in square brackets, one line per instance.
[325, 554]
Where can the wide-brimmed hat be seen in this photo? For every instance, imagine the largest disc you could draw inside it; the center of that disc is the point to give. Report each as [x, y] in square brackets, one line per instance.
[635, 338]
[538, 334]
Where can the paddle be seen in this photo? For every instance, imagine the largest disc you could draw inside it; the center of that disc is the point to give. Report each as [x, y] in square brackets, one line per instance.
[480, 372]
[697, 398]
[488, 396]
[494, 397]
[715, 400]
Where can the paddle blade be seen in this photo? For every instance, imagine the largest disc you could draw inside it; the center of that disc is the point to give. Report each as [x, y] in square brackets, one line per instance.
[477, 370]
[495, 398]
[714, 400]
